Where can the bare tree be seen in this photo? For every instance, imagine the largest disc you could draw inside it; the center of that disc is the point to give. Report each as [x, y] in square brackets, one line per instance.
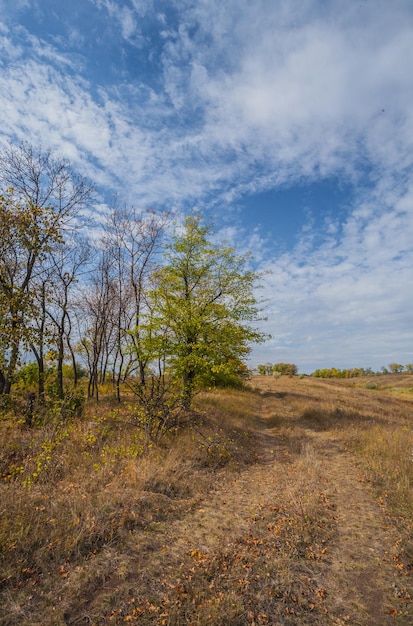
[41, 333]
[133, 239]
[96, 306]
[66, 263]
[40, 178]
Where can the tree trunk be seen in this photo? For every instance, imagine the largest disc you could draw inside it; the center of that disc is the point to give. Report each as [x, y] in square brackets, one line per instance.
[72, 354]
[119, 378]
[188, 389]
[40, 376]
[60, 359]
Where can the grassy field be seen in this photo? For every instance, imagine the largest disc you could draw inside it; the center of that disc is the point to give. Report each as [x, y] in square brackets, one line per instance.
[289, 502]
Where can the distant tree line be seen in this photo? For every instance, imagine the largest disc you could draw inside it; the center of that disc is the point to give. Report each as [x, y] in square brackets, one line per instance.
[137, 301]
[333, 372]
[289, 369]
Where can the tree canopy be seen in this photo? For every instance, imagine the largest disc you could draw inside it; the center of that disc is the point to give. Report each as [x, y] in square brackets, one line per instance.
[203, 304]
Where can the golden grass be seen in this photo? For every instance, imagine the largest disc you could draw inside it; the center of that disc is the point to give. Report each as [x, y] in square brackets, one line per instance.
[88, 519]
[73, 495]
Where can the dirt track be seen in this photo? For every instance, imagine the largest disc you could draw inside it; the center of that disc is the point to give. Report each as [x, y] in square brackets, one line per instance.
[297, 538]
[329, 553]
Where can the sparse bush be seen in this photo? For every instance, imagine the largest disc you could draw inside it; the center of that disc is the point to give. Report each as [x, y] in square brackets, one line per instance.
[158, 408]
[68, 372]
[28, 375]
[73, 403]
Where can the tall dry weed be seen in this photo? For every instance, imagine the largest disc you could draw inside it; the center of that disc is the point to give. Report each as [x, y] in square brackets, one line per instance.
[387, 453]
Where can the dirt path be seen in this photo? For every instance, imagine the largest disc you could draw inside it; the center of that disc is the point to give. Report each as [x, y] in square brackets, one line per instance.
[360, 574]
[299, 538]
[334, 546]
[360, 571]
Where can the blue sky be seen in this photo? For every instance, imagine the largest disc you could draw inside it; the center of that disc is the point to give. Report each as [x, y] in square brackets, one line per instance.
[289, 122]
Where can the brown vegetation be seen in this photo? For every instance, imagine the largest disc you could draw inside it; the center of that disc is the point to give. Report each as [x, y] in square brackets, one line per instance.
[289, 503]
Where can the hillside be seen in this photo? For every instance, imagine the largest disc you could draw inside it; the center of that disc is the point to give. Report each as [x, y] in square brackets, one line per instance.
[289, 503]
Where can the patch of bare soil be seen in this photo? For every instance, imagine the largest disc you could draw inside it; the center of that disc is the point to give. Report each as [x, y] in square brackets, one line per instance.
[297, 538]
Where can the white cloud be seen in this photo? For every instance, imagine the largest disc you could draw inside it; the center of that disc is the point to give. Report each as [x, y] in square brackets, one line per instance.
[126, 18]
[288, 101]
[128, 23]
[312, 97]
[351, 295]
[254, 95]
[13, 5]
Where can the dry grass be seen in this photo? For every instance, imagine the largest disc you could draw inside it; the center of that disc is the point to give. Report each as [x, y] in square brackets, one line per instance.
[79, 499]
[229, 521]
[377, 423]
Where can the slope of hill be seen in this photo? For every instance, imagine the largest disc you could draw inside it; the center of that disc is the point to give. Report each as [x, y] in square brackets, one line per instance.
[290, 503]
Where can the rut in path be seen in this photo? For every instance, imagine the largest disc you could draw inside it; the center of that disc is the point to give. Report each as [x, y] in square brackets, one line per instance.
[360, 577]
[360, 573]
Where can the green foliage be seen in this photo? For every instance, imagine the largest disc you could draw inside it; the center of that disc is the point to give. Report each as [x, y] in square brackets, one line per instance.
[278, 369]
[27, 234]
[69, 407]
[396, 368]
[39, 197]
[201, 308]
[285, 369]
[335, 372]
[73, 403]
[68, 372]
[234, 375]
[73, 400]
[28, 375]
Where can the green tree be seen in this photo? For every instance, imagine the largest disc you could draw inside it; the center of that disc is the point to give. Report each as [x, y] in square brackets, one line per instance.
[286, 369]
[27, 233]
[40, 197]
[203, 304]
